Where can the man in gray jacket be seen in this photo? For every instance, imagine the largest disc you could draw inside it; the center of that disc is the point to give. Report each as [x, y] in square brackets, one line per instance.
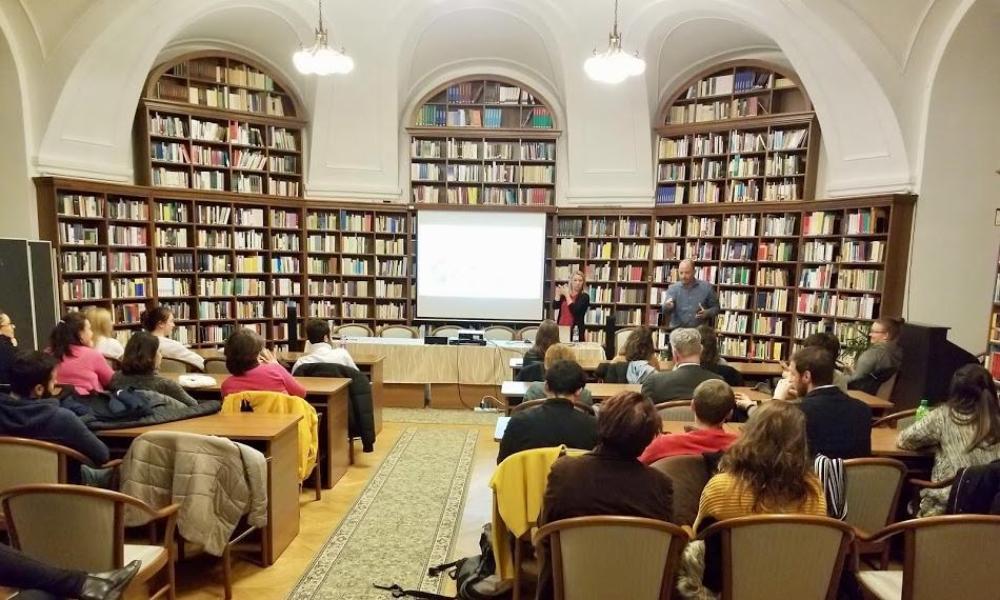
[881, 360]
[687, 373]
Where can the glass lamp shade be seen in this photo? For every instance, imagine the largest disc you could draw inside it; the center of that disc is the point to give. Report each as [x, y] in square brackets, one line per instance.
[613, 66]
[303, 61]
[322, 60]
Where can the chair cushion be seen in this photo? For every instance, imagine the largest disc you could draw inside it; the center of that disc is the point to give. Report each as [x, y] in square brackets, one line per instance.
[885, 585]
[152, 558]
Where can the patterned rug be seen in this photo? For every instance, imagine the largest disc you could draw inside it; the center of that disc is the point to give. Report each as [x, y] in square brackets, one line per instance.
[404, 521]
[439, 415]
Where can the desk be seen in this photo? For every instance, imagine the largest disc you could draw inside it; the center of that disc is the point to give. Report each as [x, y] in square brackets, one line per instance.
[274, 435]
[326, 393]
[747, 369]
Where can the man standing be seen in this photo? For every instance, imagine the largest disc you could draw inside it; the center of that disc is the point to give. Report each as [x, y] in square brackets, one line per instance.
[690, 302]
[679, 384]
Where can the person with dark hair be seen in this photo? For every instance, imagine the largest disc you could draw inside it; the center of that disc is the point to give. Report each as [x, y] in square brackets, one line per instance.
[320, 350]
[881, 360]
[20, 571]
[555, 353]
[159, 321]
[713, 404]
[8, 346]
[139, 366]
[827, 341]
[963, 432]
[31, 410]
[255, 369]
[610, 480]
[838, 426]
[80, 365]
[571, 304]
[555, 421]
[639, 352]
[711, 360]
[547, 334]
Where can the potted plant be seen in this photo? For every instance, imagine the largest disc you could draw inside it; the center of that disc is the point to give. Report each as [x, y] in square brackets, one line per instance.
[854, 346]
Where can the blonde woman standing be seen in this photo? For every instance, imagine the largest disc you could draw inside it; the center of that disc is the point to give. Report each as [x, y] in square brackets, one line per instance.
[571, 304]
[104, 335]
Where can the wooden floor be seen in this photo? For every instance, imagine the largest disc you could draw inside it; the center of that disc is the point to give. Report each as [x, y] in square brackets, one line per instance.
[200, 578]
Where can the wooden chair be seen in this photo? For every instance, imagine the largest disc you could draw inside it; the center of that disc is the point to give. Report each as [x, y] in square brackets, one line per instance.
[689, 474]
[952, 556]
[446, 330]
[114, 363]
[594, 558]
[898, 420]
[353, 330]
[885, 389]
[216, 365]
[676, 410]
[83, 528]
[872, 494]
[527, 334]
[781, 556]
[532, 403]
[398, 331]
[173, 365]
[499, 332]
[621, 335]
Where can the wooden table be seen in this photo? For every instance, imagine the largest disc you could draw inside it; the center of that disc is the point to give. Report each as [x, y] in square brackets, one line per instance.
[327, 394]
[274, 435]
[749, 370]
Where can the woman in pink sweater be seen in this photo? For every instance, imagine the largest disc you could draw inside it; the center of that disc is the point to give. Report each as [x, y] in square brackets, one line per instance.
[254, 368]
[80, 365]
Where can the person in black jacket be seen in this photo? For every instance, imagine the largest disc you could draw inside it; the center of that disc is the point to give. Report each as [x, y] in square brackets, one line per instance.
[710, 358]
[687, 373]
[555, 421]
[361, 410]
[571, 303]
[837, 425]
[547, 335]
[8, 347]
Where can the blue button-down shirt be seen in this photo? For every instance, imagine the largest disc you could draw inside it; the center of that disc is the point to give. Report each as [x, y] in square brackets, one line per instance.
[687, 300]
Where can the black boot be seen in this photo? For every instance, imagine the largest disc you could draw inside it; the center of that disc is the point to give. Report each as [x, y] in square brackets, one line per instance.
[110, 584]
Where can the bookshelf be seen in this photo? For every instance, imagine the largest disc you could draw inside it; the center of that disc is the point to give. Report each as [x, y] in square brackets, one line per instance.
[219, 122]
[483, 142]
[739, 132]
[993, 333]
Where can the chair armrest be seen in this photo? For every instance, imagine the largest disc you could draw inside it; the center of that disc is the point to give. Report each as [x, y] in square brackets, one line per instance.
[688, 530]
[114, 463]
[932, 485]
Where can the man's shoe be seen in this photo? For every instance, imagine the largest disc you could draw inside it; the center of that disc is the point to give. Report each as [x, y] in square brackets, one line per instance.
[110, 584]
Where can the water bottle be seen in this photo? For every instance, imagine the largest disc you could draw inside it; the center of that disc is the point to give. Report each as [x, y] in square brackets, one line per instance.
[922, 410]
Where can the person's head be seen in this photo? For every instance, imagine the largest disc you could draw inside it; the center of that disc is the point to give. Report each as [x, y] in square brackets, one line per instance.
[714, 401]
[100, 321]
[142, 354]
[973, 400]
[771, 458]
[547, 334]
[626, 424]
[884, 329]
[686, 271]
[577, 282]
[6, 325]
[317, 331]
[565, 379]
[685, 344]
[243, 351]
[639, 344]
[709, 345]
[33, 375]
[824, 340]
[158, 320]
[557, 352]
[810, 368]
[72, 330]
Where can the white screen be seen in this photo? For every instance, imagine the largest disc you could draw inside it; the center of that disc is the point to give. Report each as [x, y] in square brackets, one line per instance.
[480, 265]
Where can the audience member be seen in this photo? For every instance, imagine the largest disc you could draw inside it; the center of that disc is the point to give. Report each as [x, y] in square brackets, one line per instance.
[713, 405]
[679, 384]
[825, 340]
[8, 347]
[838, 426]
[19, 571]
[556, 352]
[104, 340]
[555, 421]
[254, 368]
[711, 360]
[640, 355]
[320, 349]
[159, 321]
[80, 365]
[609, 480]
[881, 360]
[964, 432]
[547, 334]
[31, 411]
[139, 366]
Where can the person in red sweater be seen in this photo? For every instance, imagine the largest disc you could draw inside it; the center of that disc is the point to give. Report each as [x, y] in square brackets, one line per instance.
[713, 404]
[80, 365]
[255, 369]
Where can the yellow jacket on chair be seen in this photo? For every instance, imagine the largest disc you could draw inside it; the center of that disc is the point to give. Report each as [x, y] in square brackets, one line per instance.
[276, 403]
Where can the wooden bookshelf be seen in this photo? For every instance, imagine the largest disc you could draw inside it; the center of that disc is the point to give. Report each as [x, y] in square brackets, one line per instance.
[993, 331]
[483, 142]
[219, 122]
[738, 132]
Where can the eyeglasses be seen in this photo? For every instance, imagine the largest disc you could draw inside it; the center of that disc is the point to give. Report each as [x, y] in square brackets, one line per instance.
[877, 331]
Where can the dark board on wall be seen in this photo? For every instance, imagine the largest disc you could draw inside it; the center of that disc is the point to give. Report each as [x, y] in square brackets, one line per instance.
[27, 289]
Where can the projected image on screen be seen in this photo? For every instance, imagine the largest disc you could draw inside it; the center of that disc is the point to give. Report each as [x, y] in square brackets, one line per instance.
[480, 266]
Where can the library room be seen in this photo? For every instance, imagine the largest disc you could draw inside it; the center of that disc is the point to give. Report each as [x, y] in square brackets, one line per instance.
[508, 299]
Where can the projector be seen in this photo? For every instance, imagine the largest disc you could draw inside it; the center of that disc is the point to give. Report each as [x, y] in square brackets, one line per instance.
[470, 334]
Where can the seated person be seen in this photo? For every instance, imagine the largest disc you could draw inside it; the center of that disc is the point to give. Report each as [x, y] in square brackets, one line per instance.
[80, 365]
[964, 432]
[320, 350]
[555, 421]
[22, 572]
[636, 361]
[711, 360]
[139, 365]
[881, 360]
[679, 384]
[8, 347]
[31, 411]
[159, 321]
[104, 340]
[713, 405]
[556, 352]
[254, 368]
[838, 426]
[532, 367]
[829, 342]
[609, 480]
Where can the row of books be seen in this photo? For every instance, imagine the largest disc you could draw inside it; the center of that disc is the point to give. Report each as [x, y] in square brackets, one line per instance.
[737, 142]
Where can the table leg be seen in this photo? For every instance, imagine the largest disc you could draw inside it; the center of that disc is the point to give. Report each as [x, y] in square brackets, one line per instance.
[335, 446]
[282, 495]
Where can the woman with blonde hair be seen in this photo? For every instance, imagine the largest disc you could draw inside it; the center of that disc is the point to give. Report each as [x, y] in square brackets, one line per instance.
[104, 340]
[555, 353]
[571, 304]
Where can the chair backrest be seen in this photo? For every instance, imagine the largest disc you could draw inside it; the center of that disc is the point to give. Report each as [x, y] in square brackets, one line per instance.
[676, 410]
[114, 363]
[499, 332]
[899, 420]
[446, 330]
[527, 334]
[398, 331]
[953, 556]
[587, 410]
[27, 461]
[885, 388]
[689, 474]
[781, 556]
[353, 330]
[216, 365]
[278, 403]
[172, 365]
[594, 558]
[620, 336]
[872, 493]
